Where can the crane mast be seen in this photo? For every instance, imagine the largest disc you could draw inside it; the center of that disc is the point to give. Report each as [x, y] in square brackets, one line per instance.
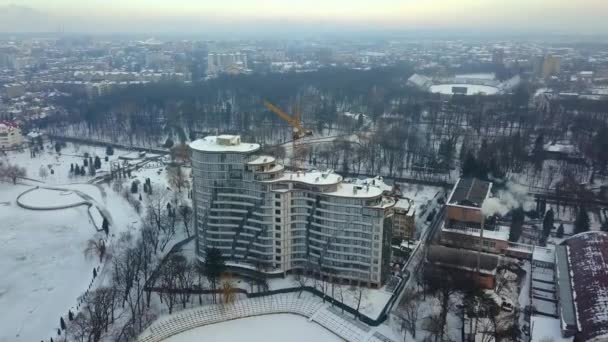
[299, 131]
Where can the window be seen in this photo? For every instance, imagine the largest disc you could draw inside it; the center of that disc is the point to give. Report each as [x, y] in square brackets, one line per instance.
[277, 204]
[278, 258]
[277, 196]
[277, 220]
[277, 227]
[278, 250]
[277, 235]
[278, 243]
[278, 212]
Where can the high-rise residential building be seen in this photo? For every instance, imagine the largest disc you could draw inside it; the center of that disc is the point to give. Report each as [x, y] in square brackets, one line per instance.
[221, 62]
[262, 217]
[498, 57]
[546, 66]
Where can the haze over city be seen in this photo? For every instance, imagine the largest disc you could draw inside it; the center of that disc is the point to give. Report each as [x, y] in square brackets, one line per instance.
[316, 16]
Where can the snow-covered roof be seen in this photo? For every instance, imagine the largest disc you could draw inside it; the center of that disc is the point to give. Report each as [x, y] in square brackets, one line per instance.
[261, 160]
[501, 233]
[588, 261]
[545, 328]
[311, 177]
[214, 144]
[544, 254]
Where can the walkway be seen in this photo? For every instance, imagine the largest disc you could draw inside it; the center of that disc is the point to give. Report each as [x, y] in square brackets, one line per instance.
[307, 306]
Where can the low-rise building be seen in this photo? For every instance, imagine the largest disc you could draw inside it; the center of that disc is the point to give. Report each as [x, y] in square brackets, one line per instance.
[404, 225]
[10, 134]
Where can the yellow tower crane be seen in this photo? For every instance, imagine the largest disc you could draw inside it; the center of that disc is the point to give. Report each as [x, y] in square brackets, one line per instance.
[299, 131]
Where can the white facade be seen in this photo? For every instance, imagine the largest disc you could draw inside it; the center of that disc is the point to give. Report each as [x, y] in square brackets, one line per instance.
[10, 135]
[261, 216]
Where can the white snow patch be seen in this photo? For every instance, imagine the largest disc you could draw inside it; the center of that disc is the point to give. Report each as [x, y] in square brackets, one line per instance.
[269, 328]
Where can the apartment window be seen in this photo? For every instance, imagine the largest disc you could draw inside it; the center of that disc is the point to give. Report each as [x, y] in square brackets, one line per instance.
[278, 212]
[277, 220]
[277, 204]
[277, 196]
[278, 250]
[277, 235]
[277, 258]
[278, 243]
[277, 227]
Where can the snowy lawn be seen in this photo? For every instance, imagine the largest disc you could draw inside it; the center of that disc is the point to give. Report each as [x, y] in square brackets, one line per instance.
[269, 328]
[48, 160]
[43, 266]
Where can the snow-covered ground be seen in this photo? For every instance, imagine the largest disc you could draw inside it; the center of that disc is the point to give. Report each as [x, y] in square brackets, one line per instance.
[42, 265]
[42, 254]
[269, 328]
[48, 198]
[59, 163]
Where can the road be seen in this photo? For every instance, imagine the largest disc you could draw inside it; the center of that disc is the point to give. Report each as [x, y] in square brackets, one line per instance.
[419, 254]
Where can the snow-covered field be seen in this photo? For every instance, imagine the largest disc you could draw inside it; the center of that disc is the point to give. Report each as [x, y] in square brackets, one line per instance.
[42, 255]
[42, 265]
[269, 328]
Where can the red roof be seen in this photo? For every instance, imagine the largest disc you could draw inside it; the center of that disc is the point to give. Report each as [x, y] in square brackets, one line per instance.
[9, 124]
[588, 259]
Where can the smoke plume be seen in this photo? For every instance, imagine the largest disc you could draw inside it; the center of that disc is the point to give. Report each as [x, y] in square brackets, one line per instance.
[513, 196]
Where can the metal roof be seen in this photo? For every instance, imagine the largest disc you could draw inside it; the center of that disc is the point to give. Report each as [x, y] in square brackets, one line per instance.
[566, 304]
[470, 192]
[588, 261]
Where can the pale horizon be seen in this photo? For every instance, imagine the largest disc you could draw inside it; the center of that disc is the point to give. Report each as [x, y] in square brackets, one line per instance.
[139, 16]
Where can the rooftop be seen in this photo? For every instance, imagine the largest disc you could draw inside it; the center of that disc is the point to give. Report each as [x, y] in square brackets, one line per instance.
[311, 177]
[470, 192]
[501, 233]
[545, 328]
[544, 254]
[261, 160]
[223, 143]
[588, 264]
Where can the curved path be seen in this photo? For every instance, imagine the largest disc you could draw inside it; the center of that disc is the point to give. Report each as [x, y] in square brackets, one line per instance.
[86, 200]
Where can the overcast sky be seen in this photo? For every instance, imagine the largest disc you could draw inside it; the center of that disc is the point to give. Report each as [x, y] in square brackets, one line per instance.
[559, 16]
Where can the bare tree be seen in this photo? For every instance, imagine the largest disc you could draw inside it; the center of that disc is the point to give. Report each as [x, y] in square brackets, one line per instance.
[186, 214]
[302, 279]
[92, 322]
[408, 311]
[228, 291]
[12, 172]
[95, 247]
[434, 326]
[168, 280]
[358, 293]
[43, 172]
[177, 177]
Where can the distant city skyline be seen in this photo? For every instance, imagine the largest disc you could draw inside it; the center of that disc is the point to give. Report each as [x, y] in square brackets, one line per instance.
[140, 16]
